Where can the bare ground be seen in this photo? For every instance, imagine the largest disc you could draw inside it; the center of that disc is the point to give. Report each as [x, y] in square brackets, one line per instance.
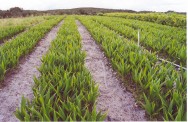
[19, 82]
[113, 98]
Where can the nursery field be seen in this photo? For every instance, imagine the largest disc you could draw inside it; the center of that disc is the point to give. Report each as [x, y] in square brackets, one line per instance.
[115, 67]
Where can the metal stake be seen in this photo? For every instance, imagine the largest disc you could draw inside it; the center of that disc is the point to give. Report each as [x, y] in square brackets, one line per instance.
[138, 37]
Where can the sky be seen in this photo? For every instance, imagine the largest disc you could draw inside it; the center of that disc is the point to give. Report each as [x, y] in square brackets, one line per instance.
[138, 5]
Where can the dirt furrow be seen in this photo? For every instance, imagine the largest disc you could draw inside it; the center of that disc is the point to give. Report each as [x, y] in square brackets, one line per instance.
[113, 98]
[19, 81]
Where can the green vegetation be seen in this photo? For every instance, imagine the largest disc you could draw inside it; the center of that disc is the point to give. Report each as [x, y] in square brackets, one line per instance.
[65, 91]
[168, 41]
[7, 32]
[13, 26]
[171, 19]
[161, 88]
[11, 52]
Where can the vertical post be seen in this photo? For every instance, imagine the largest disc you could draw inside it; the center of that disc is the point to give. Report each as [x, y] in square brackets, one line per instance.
[138, 37]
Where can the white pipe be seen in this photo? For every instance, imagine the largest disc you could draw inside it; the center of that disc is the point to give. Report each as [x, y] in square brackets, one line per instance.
[172, 63]
[160, 58]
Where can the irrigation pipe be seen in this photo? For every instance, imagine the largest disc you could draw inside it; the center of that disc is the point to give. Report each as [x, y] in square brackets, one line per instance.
[172, 63]
[160, 59]
[138, 43]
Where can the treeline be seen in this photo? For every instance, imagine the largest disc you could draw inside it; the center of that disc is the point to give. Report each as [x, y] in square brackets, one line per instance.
[87, 11]
[20, 12]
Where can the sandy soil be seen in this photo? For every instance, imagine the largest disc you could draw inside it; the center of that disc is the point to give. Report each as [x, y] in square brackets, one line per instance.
[19, 81]
[113, 98]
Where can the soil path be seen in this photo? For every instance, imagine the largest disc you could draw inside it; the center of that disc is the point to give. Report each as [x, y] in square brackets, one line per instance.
[113, 98]
[19, 81]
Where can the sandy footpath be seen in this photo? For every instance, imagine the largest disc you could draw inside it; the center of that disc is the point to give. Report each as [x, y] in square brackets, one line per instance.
[113, 98]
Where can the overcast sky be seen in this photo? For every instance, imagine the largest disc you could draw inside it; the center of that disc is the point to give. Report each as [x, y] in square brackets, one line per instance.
[138, 5]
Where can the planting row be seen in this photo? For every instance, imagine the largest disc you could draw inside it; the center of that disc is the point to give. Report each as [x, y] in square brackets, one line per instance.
[20, 21]
[65, 90]
[7, 32]
[11, 52]
[178, 34]
[161, 89]
[11, 27]
[166, 42]
[171, 19]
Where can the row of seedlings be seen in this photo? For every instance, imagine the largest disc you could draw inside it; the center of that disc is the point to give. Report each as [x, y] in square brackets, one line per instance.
[11, 27]
[12, 51]
[65, 90]
[171, 19]
[160, 88]
[167, 42]
[178, 34]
